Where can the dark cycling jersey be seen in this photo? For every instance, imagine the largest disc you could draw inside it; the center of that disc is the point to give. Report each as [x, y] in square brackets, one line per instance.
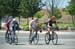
[15, 25]
[51, 22]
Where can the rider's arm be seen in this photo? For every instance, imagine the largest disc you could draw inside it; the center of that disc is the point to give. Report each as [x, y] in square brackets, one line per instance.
[55, 23]
[48, 24]
[30, 24]
[56, 26]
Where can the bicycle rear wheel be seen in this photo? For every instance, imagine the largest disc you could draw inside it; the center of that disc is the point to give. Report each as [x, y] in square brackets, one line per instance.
[30, 39]
[36, 39]
[47, 38]
[54, 38]
[6, 37]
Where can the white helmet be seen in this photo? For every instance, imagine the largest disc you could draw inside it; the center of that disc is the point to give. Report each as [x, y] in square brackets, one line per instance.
[14, 19]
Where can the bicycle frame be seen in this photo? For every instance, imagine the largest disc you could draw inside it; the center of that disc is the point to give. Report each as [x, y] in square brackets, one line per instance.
[34, 37]
[53, 37]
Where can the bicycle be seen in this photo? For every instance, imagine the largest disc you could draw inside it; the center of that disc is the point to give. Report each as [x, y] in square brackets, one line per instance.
[11, 38]
[53, 37]
[34, 37]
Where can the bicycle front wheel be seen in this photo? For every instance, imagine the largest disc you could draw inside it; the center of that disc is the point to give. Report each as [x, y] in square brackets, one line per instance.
[10, 38]
[54, 38]
[16, 39]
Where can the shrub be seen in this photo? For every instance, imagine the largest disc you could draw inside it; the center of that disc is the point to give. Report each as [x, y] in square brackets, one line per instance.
[25, 27]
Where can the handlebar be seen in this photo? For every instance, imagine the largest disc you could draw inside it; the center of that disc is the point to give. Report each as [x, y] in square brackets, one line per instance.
[54, 28]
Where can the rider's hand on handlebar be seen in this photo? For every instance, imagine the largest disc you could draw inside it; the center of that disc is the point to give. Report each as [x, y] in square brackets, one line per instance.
[40, 30]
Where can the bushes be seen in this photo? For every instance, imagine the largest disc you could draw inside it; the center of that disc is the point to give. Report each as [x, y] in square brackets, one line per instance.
[25, 27]
[43, 26]
[65, 25]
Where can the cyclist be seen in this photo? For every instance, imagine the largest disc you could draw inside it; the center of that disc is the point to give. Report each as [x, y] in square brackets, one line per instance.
[50, 23]
[14, 25]
[33, 25]
[7, 25]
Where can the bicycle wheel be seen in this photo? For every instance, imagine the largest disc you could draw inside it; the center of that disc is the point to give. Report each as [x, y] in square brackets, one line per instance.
[15, 39]
[54, 38]
[36, 39]
[10, 38]
[30, 40]
[6, 37]
[47, 38]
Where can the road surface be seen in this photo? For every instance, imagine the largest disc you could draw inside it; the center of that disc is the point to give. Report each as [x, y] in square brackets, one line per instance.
[66, 41]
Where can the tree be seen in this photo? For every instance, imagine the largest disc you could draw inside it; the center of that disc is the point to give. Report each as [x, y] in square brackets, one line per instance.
[29, 7]
[71, 10]
[52, 7]
[57, 13]
[11, 7]
[39, 14]
[2, 9]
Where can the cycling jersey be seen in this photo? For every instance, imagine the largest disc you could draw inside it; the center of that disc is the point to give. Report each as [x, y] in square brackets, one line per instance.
[51, 22]
[7, 24]
[33, 25]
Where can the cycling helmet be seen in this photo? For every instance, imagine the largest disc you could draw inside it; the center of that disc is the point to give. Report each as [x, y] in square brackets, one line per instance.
[53, 17]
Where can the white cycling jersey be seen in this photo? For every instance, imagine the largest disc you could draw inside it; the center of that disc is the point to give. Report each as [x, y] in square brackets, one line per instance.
[33, 24]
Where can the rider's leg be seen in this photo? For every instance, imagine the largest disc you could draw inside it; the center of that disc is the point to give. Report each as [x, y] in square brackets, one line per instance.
[13, 30]
[48, 30]
[13, 34]
[7, 29]
[30, 29]
[6, 32]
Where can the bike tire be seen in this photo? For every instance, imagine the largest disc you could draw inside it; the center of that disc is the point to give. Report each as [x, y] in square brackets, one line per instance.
[36, 39]
[54, 38]
[6, 37]
[16, 39]
[10, 38]
[47, 38]
[30, 41]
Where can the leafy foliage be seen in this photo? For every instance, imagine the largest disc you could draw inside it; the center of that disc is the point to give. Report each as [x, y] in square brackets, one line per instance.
[58, 13]
[39, 14]
[71, 10]
[71, 7]
[29, 7]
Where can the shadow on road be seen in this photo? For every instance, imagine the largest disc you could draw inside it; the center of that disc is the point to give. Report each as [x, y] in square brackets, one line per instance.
[52, 44]
[60, 44]
[21, 44]
[41, 44]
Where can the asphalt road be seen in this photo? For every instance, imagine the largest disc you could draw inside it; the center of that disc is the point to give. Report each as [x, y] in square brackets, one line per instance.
[66, 40]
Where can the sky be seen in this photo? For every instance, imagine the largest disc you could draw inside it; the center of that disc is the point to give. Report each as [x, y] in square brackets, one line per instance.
[62, 4]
